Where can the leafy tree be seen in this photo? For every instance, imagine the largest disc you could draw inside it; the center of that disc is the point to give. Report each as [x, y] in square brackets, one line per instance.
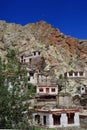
[13, 90]
[62, 82]
[31, 88]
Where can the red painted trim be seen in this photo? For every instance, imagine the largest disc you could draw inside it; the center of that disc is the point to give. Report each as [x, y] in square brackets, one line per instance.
[58, 111]
[47, 86]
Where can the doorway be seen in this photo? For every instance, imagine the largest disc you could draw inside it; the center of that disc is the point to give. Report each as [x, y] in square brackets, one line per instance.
[47, 90]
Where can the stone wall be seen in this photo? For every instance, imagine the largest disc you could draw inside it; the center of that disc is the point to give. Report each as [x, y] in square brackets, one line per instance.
[65, 100]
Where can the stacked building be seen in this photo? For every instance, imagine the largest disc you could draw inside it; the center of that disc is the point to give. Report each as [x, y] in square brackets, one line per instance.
[51, 108]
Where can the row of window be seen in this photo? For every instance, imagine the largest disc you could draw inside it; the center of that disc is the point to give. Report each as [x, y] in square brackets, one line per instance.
[47, 90]
[24, 60]
[76, 74]
[56, 119]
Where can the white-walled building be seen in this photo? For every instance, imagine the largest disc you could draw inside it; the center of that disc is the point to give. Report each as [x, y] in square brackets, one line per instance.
[28, 58]
[46, 91]
[57, 118]
[51, 90]
[75, 74]
[46, 85]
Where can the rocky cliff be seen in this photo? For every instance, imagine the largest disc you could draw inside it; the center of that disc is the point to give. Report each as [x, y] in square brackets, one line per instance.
[62, 53]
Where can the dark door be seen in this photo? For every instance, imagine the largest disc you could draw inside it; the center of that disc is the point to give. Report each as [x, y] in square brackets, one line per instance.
[47, 90]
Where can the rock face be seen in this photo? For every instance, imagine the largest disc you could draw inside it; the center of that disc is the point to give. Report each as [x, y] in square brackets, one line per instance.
[62, 53]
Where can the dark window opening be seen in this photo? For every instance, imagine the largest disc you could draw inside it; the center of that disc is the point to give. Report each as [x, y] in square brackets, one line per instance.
[70, 74]
[76, 73]
[53, 89]
[24, 60]
[31, 74]
[56, 119]
[83, 88]
[44, 120]
[34, 53]
[39, 53]
[81, 73]
[30, 60]
[41, 90]
[47, 90]
[65, 75]
[21, 57]
[37, 118]
[71, 118]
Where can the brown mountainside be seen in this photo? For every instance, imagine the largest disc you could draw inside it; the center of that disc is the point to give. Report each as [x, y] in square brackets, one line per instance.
[62, 53]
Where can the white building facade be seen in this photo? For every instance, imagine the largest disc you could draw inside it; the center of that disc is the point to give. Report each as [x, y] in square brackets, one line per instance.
[53, 89]
[28, 58]
[77, 74]
[56, 118]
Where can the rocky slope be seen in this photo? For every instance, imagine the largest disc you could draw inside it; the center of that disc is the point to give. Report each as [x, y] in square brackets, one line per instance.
[62, 53]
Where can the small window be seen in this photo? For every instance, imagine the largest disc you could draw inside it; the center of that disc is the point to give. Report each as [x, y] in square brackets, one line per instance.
[30, 60]
[38, 53]
[83, 88]
[22, 57]
[81, 73]
[76, 74]
[41, 90]
[34, 53]
[70, 118]
[53, 89]
[70, 74]
[24, 60]
[31, 74]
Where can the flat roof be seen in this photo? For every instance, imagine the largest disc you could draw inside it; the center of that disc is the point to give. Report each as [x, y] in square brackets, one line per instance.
[55, 111]
[48, 86]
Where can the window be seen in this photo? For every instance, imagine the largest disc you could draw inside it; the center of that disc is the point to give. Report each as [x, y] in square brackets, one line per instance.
[53, 89]
[37, 119]
[70, 118]
[83, 88]
[56, 119]
[38, 53]
[24, 60]
[34, 53]
[76, 74]
[31, 74]
[41, 90]
[81, 73]
[47, 90]
[21, 57]
[30, 60]
[44, 120]
[70, 74]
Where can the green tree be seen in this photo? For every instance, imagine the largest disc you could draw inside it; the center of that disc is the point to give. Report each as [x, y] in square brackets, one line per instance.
[62, 82]
[13, 90]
